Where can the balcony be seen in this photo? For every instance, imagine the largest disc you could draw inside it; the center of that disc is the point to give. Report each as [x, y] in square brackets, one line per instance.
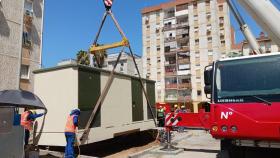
[184, 41]
[186, 98]
[171, 86]
[182, 32]
[169, 14]
[28, 17]
[183, 25]
[170, 62]
[171, 98]
[27, 43]
[169, 39]
[171, 73]
[169, 27]
[184, 48]
[184, 61]
[184, 86]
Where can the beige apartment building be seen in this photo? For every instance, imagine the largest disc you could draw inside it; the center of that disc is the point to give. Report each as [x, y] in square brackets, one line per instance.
[265, 43]
[125, 65]
[180, 38]
[20, 42]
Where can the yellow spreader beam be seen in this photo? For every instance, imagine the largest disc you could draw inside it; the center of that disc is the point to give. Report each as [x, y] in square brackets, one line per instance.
[94, 48]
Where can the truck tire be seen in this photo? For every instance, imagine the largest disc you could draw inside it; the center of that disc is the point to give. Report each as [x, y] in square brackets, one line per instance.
[229, 150]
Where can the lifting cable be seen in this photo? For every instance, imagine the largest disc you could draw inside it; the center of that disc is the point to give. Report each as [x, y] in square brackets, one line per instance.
[96, 48]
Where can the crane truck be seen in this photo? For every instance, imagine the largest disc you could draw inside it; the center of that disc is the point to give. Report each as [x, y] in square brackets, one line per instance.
[244, 93]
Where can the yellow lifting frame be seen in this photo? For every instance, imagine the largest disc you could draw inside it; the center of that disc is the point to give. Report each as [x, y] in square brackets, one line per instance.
[94, 48]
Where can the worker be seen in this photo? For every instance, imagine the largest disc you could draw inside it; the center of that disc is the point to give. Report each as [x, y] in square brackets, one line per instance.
[27, 119]
[70, 132]
[176, 108]
[161, 116]
[183, 108]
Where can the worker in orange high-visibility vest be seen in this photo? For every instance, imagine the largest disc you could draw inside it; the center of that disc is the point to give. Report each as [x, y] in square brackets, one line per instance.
[27, 119]
[70, 132]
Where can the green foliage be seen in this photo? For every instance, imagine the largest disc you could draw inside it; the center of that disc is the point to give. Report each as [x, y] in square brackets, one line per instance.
[83, 58]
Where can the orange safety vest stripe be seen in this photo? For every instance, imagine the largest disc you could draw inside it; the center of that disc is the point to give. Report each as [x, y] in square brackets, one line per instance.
[70, 127]
[27, 124]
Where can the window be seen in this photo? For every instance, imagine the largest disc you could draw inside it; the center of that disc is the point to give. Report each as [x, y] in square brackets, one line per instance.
[194, 5]
[199, 93]
[197, 42]
[208, 16]
[207, 2]
[181, 7]
[148, 26]
[196, 30]
[210, 52]
[26, 39]
[24, 72]
[209, 39]
[223, 43]
[158, 48]
[220, 8]
[195, 17]
[28, 6]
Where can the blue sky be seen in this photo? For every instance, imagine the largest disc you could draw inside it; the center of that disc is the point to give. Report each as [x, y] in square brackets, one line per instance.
[70, 26]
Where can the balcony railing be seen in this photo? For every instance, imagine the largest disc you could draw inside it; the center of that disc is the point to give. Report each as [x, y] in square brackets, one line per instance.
[183, 24]
[170, 73]
[169, 15]
[184, 61]
[171, 98]
[170, 62]
[171, 86]
[184, 86]
[184, 49]
[184, 98]
[184, 40]
[169, 39]
[169, 27]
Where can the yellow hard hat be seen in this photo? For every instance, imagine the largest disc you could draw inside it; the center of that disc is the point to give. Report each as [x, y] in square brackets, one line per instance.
[175, 105]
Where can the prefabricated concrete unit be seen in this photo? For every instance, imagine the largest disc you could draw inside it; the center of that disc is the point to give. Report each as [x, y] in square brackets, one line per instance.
[67, 87]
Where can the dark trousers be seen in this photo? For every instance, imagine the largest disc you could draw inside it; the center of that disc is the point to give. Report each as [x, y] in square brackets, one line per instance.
[161, 122]
[26, 136]
[69, 148]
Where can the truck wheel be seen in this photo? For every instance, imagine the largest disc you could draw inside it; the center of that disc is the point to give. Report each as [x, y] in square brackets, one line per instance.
[229, 150]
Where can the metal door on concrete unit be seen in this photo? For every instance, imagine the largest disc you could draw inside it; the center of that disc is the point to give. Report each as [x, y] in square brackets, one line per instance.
[150, 87]
[137, 100]
[88, 93]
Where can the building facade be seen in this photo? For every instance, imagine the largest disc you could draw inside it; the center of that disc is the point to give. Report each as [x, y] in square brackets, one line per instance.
[265, 43]
[31, 42]
[21, 42]
[10, 43]
[180, 38]
[125, 65]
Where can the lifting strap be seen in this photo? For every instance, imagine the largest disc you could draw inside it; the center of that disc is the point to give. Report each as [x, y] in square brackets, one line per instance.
[95, 48]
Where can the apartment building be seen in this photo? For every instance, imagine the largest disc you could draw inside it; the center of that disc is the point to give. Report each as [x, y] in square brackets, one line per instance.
[265, 43]
[10, 43]
[180, 38]
[20, 42]
[31, 42]
[125, 65]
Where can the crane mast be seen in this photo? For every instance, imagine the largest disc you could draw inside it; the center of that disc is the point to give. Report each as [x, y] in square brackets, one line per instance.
[266, 15]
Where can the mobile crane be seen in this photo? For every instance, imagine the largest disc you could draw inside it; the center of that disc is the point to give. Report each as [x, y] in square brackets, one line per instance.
[245, 94]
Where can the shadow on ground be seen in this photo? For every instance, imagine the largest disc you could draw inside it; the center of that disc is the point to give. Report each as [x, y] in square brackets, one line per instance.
[112, 146]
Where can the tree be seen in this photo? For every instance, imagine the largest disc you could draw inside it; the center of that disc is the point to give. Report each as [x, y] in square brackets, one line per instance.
[99, 57]
[83, 58]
